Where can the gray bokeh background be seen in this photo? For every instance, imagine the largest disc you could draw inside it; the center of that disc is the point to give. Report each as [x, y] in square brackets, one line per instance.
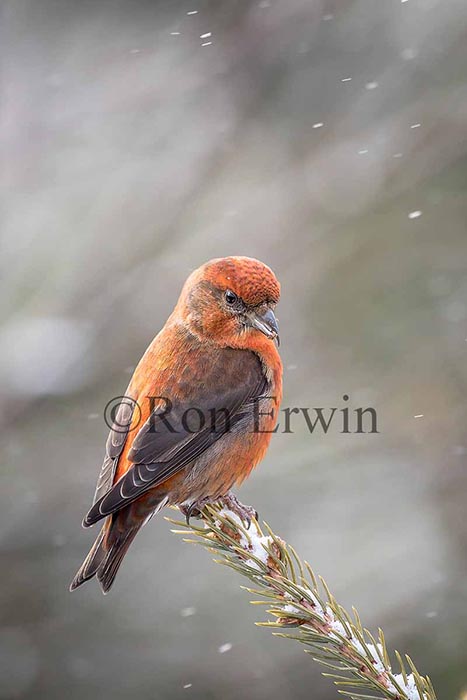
[305, 133]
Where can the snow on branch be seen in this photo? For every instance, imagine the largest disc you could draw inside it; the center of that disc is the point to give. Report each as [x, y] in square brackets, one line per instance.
[302, 604]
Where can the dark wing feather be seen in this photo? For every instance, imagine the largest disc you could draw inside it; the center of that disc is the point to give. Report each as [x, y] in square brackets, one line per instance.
[114, 447]
[231, 384]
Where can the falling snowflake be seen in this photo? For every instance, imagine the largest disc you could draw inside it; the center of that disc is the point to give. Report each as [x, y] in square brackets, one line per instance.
[187, 612]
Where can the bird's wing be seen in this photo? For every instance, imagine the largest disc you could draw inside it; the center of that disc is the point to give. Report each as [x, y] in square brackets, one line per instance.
[168, 441]
[114, 447]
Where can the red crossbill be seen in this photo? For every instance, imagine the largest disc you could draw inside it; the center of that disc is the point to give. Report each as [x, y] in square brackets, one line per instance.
[216, 366]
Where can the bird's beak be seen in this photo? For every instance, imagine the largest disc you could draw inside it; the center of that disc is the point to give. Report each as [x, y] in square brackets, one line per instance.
[266, 323]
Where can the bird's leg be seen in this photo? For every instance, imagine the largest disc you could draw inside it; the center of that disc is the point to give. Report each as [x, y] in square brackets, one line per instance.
[245, 513]
[193, 509]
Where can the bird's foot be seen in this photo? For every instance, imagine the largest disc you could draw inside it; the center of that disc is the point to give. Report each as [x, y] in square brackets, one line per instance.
[245, 513]
[193, 510]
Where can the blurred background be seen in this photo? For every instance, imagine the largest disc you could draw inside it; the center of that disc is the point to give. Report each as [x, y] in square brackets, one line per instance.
[328, 139]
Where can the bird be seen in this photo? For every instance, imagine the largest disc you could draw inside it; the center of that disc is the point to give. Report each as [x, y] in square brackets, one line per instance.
[199, 411]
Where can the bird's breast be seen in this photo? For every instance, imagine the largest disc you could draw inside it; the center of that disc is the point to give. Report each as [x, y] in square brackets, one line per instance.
[230, 460]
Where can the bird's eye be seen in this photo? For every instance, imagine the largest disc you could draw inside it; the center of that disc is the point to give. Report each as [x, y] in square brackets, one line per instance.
[230, 297]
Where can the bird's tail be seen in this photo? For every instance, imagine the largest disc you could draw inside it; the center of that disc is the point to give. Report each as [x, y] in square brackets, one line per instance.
[119, 543]
[106, 555]
[92, 562]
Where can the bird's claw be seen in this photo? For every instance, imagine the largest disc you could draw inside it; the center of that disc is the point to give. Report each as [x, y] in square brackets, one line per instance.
[229, 501]
[245, 513]
[193, 510]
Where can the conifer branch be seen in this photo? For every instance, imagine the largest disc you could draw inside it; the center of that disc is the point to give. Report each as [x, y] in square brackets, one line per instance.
[301, 604]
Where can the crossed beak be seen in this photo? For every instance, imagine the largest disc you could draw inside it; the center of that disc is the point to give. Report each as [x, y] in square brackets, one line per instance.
[266, 323]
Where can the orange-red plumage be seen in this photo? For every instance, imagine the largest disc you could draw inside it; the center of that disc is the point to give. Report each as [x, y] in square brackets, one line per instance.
[202, 403]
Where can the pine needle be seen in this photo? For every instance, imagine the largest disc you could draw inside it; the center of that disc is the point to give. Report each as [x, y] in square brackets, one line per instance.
[297, 599]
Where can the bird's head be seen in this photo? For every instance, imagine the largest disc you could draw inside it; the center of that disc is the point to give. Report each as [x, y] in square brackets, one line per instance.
[230, 301]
